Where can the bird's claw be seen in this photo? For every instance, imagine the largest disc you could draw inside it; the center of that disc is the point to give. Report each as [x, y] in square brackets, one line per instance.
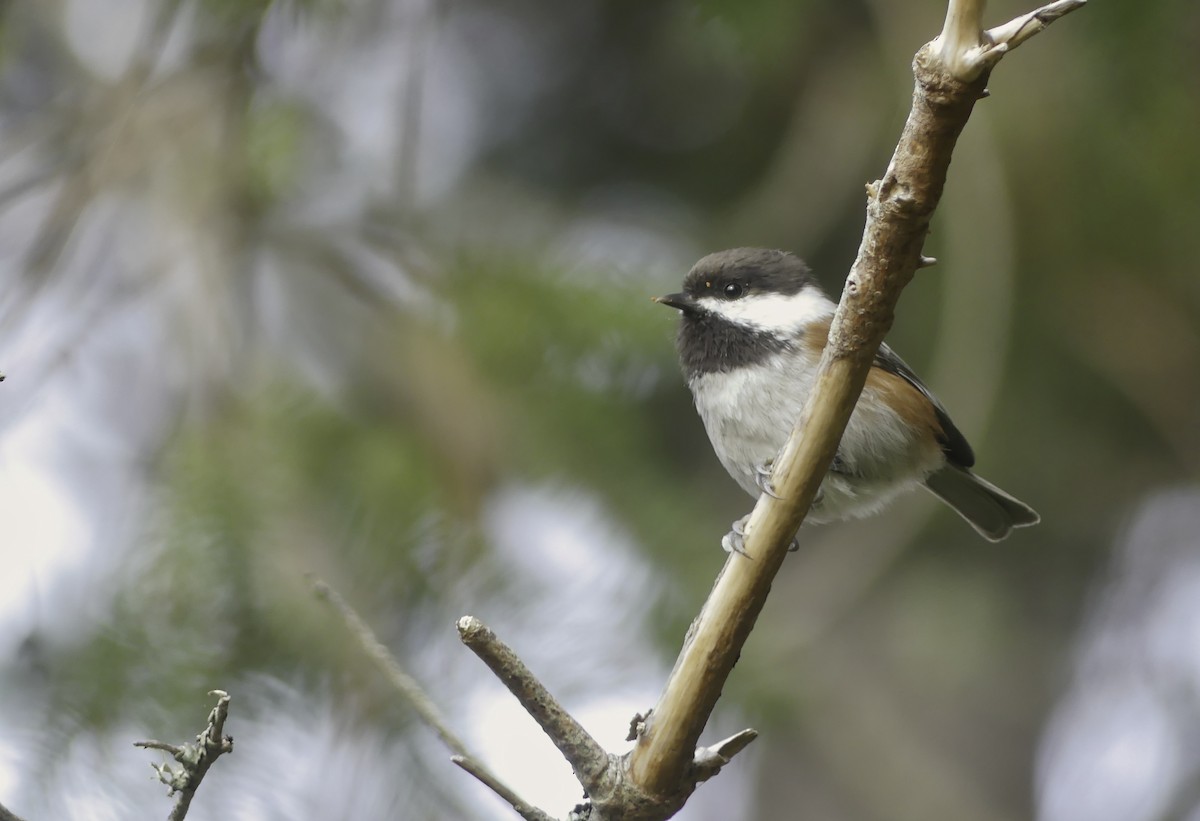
[735, 540]
[762, 478]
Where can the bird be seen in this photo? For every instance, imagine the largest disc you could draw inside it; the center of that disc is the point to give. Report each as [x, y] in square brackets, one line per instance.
[753, 324]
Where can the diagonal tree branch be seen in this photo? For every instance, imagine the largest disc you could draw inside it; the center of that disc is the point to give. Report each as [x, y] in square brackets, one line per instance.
[951, 75]
[488, 778]
[396, 675]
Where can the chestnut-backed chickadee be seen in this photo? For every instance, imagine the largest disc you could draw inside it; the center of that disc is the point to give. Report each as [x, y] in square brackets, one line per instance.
[753, 325]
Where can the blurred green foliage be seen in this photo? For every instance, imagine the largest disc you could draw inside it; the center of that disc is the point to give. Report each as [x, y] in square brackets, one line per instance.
[358, 425]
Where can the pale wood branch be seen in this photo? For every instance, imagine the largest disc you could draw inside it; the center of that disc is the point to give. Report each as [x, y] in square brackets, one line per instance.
[708, 761]
[1020, 29]
[899, 209]
[966, 51]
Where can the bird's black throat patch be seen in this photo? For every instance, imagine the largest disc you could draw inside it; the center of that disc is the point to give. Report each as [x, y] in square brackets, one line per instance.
[709, 343]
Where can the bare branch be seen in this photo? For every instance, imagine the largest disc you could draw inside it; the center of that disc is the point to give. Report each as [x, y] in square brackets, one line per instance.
[967, 51]
[405, 684]
[488, 778]
[951, 73]
[604, 777]
[708, 761]
[426, 710]
[1020, 29]
[585, 755]
[194, 759]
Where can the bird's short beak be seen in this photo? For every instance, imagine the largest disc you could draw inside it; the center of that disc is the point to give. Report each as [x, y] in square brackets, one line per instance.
[681, 302]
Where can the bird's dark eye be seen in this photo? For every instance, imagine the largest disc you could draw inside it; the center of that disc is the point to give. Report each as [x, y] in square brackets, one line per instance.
[732, 291]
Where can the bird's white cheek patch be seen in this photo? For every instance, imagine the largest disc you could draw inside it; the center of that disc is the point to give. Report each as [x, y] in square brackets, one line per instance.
[779, 313]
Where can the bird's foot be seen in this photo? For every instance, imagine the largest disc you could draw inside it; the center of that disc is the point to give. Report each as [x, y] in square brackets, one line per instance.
[735, 540]
[762, 478]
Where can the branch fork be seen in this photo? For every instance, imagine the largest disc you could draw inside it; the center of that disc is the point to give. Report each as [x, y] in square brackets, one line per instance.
[967, 51]
[605, 778]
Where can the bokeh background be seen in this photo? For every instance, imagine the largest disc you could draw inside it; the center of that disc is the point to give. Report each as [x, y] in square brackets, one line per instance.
[359, 288]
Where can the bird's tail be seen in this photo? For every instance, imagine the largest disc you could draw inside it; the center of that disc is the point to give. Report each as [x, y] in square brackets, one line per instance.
[987, 508]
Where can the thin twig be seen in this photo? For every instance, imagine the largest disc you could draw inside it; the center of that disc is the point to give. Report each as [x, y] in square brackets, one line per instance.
[421, 31]
[488, 778]
[708, 761]
[585, 755]
[194, 759]
[422, 704]
[396, 675]
[966, 51]
[1020, 29]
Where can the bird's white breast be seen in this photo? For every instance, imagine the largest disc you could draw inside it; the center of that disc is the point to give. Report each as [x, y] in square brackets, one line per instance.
[750, 411]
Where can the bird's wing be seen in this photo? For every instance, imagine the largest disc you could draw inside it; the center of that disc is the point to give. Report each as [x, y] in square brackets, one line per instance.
[955, 445]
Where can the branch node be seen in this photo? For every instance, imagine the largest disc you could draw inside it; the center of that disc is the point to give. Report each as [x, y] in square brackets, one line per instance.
[926, 262]
[966, 51]
[637, 726]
